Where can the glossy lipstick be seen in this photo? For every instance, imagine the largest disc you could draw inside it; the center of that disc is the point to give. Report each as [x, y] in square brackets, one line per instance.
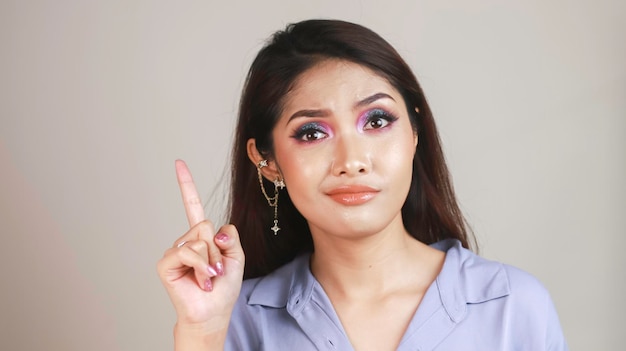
[352, 195]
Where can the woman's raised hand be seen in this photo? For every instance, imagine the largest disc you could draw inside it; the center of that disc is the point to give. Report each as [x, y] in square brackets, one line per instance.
[203, 270]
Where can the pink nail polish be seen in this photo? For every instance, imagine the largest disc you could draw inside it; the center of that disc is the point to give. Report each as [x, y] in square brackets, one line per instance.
[219, 267]
[208, 286]
[221, 237]
[211, 270]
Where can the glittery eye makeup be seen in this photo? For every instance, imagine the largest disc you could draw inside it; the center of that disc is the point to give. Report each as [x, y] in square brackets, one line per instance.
[311, 132]
[376, 119]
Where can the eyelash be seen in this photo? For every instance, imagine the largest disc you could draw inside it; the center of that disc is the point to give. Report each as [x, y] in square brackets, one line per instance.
[306, 133]
[378, 115]
[312, 132]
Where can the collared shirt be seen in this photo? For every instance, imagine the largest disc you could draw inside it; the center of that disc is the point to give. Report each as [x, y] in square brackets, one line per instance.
[474, 304]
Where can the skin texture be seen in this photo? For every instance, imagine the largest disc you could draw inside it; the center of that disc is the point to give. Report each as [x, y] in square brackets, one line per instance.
[344, 146]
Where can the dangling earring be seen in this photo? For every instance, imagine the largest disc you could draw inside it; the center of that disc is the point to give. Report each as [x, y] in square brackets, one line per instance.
[272, 201]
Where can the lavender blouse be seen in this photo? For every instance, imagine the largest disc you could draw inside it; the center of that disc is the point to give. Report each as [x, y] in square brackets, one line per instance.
[474, 304]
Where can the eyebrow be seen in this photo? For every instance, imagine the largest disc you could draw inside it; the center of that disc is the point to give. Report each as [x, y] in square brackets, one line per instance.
[323, 113]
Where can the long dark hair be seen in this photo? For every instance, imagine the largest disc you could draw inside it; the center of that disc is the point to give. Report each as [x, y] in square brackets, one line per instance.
[430, 212]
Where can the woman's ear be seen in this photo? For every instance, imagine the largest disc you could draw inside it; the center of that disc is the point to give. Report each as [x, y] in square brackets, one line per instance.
[270, 172]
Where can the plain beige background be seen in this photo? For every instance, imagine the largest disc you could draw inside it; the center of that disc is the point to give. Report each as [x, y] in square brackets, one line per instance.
[98, 98]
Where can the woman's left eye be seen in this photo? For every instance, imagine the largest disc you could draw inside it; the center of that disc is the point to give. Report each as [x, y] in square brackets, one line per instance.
[377, 119]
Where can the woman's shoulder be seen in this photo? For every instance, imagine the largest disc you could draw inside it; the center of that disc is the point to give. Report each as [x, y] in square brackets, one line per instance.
[479, 277]
[270, 300]
[468, 279]
[473, 288]
[276, 288]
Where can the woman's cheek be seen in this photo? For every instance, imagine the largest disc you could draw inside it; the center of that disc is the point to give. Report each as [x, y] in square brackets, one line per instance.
[297, 171]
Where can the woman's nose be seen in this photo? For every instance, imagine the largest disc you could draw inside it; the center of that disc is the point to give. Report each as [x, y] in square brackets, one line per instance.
[351, 157]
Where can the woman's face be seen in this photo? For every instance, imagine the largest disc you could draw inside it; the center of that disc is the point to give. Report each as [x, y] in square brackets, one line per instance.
[345, 146]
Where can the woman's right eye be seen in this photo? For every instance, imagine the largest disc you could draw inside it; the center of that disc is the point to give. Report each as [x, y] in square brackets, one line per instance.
[312, 135]
[310, 132]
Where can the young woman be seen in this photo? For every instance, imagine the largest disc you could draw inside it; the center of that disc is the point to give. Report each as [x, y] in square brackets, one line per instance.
[342, 203]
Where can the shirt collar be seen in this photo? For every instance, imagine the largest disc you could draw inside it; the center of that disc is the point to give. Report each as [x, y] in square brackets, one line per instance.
[467, 278]
[291, 284]
[464, 279]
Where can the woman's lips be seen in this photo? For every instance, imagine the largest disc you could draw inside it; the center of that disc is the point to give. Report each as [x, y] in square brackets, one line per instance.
[352, 195]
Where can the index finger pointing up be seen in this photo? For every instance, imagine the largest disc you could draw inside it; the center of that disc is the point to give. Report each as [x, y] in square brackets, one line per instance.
[191, 199]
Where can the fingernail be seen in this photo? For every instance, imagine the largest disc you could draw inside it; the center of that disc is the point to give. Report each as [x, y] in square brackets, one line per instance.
[221, 237]
[207, 285]
[219, 267]
[211, 270]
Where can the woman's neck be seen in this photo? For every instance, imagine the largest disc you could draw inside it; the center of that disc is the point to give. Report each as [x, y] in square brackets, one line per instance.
[373, 266]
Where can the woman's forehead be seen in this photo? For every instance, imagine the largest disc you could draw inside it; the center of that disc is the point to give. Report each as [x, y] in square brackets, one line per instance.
[321, 84]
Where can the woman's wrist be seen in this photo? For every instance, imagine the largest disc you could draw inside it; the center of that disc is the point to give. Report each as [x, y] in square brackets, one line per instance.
[192, 337]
